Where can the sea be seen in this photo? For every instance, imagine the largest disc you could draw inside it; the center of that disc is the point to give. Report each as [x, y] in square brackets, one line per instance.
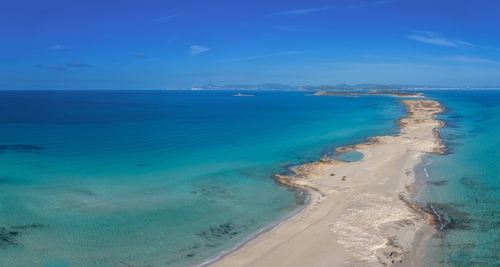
[174, 178]
[463, 185]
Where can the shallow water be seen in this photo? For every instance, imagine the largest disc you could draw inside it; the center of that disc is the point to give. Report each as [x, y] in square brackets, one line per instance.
[464, 185]
[148, 178]
[351, 156]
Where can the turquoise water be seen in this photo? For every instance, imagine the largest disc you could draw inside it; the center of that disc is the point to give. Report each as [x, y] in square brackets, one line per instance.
[148, 178]
[464, 185]
[350, 156]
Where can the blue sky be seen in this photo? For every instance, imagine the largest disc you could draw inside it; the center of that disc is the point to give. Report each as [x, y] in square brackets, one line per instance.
[150, 44]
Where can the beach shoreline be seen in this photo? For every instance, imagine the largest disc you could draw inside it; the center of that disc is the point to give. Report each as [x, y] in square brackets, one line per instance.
[256, 234]
[359, 213]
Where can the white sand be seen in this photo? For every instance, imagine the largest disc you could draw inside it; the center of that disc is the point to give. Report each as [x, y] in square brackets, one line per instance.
[362, 215]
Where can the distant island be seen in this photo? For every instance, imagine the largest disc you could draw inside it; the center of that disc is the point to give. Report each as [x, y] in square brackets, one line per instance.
[353, 93]
[267, 86]
[339, 87]
[240, 94]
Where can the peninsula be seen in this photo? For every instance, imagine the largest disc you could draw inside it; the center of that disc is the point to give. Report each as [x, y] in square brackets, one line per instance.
[358, 213]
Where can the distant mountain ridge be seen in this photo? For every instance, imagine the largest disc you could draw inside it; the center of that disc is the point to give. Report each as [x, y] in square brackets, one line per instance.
[338, 87]
[343, 86]
[266, 86]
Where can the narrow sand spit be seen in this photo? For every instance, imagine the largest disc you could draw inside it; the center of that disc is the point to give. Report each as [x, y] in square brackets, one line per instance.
[360, 213]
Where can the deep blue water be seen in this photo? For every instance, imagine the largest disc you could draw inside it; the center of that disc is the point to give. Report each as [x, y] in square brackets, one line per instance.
[150, 178]
[464, 185]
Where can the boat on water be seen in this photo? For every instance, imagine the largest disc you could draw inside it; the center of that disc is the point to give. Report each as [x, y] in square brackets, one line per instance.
[240, 94]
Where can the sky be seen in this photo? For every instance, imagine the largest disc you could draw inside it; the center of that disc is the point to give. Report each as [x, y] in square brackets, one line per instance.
[153, 44]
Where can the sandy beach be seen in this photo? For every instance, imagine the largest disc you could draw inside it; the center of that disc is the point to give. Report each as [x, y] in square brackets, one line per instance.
[359, 213]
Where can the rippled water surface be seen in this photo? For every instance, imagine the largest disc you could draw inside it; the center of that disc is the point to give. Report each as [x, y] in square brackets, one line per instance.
[464, 185]
[148, 178]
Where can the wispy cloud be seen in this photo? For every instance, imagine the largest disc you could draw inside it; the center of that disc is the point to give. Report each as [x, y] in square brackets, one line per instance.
[371, 4]
[434, 41]
[489, 47]
[139, 55]
[197, 49]
[458, 42]
[167, 18]
[426, 33]
[435, 38]
[268, 55]
[288, 29]
[309, 10]
[53, 67]
[303, 11]
[384, 57]
[77, 64]
[58, 47]
[469, 60]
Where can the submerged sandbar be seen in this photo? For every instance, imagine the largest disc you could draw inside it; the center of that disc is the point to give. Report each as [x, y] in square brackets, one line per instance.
[359, 213]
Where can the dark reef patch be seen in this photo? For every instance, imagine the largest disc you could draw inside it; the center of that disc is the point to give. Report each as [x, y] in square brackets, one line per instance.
[438, 183]
[85, 192]
[457, 223]
[457, 219]
[217, 186]
[9, 235]
[217, 191]
[27, 227]
[212, 237]
[224, 230]
[474, 184]
[21, 148]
